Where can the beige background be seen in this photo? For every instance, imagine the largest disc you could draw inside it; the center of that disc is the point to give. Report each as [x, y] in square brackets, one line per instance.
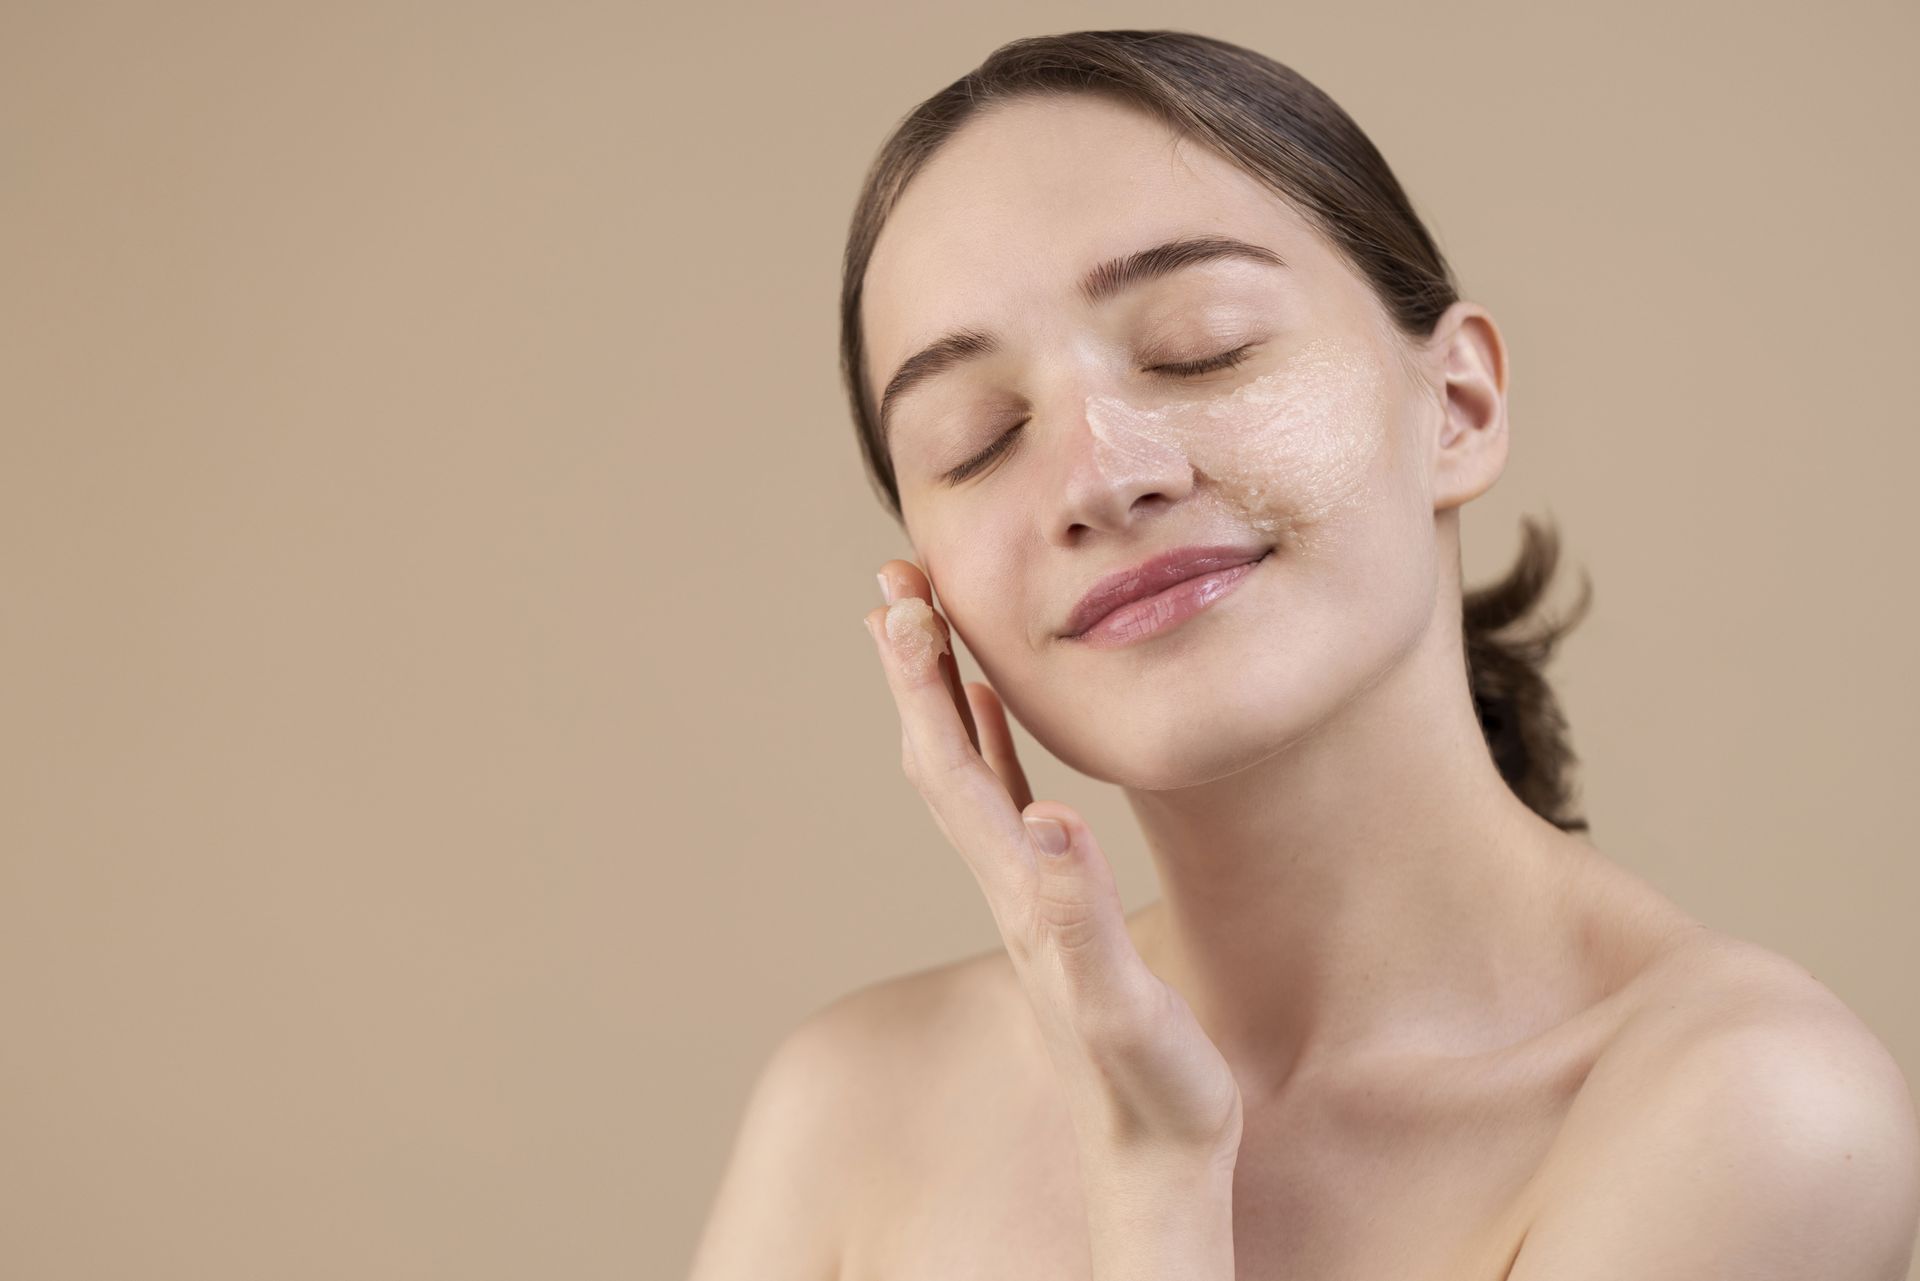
[440, 760]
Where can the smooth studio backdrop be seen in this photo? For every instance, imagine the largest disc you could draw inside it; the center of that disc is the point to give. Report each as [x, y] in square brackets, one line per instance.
[439, 756]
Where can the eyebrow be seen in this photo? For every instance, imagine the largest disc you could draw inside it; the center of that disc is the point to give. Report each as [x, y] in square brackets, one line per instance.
[1098, 285]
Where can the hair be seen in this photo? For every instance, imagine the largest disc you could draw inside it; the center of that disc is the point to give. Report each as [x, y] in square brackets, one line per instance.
[1272, 122]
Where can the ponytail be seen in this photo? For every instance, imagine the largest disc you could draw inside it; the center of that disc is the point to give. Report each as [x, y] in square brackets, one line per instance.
[1519, 714]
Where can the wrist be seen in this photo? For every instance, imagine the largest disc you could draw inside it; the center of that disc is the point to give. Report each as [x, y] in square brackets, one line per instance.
[1161, 1215]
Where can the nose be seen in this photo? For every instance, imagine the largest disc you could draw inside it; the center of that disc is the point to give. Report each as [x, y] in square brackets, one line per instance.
[1116, 462]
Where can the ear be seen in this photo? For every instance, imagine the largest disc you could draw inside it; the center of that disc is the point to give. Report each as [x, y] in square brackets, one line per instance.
[1467, 361]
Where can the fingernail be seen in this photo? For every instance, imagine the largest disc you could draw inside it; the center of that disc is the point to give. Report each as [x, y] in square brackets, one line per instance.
[1050, 834]
[886, 589]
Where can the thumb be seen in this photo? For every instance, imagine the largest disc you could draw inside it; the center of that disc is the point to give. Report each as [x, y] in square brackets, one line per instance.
[1078, 915]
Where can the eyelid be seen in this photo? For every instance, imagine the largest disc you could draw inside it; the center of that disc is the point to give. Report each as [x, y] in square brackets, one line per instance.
[1189, 368]
[974, 464]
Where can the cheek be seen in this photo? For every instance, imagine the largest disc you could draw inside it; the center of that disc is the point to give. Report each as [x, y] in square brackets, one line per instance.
[978, 582]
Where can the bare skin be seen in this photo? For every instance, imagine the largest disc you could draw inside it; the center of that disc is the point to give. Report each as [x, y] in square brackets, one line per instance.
[1386, 1165]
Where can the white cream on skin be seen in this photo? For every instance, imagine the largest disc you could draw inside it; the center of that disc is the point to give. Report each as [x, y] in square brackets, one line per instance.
[1288, 449]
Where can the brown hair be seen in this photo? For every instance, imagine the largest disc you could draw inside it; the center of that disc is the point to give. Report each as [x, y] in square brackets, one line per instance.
[1268, 119]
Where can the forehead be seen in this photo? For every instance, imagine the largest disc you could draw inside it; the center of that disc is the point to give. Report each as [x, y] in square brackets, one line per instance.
[1004, 219]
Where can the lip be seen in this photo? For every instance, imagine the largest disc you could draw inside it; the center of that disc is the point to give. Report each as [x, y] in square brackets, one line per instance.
[1153, 576]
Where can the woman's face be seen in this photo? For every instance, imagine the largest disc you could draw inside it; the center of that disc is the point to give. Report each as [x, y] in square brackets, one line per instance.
[1058, 449]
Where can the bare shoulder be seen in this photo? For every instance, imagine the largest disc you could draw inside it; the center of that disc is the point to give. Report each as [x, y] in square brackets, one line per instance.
[1745, 1120]
[919, 1002]
[877, 1051]
[829, 1105]
[1718, 993]
[890, 1045]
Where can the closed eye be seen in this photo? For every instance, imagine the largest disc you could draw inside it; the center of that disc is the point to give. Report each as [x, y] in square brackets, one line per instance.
[985, 456]
[1191, 367]
[1180, 369]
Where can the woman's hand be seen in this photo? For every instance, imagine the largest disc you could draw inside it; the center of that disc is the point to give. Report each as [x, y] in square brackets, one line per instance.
[1148, 1089]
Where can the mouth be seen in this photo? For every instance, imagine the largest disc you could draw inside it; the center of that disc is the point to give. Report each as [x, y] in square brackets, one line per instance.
[1159, 594]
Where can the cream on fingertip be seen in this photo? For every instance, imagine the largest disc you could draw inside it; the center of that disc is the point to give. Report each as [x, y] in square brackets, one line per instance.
[916, 635]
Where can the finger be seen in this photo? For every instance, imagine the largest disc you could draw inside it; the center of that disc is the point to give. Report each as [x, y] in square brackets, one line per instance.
[956, 690]
[908, 578]
[996, 741]
[1081, 924]
[970, 803]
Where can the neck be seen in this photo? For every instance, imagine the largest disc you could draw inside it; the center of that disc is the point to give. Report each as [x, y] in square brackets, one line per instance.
[1373, 886]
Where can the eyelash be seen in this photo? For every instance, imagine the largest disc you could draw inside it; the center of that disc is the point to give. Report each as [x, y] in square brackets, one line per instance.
[1224, 360]
[1183, 369]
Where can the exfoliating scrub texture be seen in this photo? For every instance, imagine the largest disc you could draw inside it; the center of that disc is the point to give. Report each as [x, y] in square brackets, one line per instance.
[917, 636]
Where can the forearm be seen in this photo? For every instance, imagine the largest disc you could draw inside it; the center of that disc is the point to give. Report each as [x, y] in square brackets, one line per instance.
[1149, 1222]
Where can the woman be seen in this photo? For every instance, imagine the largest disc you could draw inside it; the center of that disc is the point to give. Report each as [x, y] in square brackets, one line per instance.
[1177, 404]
